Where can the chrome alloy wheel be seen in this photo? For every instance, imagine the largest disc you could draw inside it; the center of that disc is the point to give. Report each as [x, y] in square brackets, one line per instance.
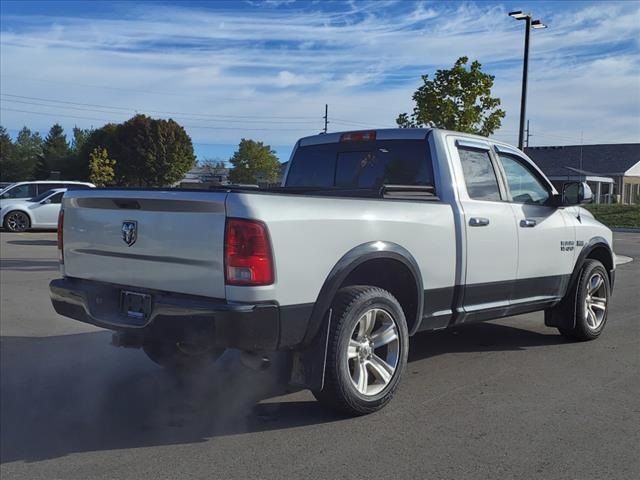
[595, 301]
[373, 352]
[17, 222]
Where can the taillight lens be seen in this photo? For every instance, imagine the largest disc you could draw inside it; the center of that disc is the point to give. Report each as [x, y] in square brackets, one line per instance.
[248, 259]
[61, 236]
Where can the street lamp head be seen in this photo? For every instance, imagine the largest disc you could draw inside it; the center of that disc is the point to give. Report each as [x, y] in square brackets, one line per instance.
[519, 15]
[537, 24]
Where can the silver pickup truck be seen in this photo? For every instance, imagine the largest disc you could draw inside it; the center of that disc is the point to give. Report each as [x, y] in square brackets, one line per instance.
[372, 237]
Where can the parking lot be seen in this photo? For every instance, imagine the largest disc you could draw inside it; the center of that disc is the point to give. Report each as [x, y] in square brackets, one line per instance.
[503, 399]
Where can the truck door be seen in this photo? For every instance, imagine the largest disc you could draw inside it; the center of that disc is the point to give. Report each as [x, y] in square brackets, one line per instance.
[546, 237]
[490, 229]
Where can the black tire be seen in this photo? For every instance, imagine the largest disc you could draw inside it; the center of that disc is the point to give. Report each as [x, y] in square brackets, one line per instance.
[349, 308]
[585, 321]
[171, 356]
[17, 221]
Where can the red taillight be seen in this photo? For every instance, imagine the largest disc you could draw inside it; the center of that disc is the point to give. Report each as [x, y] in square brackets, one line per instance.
[358, 137]
[61, 236]
[248, 259]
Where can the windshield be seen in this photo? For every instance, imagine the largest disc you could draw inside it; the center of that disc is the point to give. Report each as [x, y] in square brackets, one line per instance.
[359, 165]
[42, 196]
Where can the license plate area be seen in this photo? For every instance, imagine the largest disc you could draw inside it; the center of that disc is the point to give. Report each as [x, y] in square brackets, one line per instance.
[135, 305]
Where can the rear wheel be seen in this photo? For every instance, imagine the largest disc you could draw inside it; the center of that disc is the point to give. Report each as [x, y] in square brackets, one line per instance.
[17, 221]
[367, 350]
[589, 303]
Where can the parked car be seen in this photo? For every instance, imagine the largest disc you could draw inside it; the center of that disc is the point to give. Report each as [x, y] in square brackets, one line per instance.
[26, 190]
[37, 212]
[372, 237]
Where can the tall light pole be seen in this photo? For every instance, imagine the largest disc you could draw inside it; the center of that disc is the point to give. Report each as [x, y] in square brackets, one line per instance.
[519, 15]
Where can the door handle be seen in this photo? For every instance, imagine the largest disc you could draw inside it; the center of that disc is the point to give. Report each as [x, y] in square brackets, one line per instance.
[478, 222]
[528, 223]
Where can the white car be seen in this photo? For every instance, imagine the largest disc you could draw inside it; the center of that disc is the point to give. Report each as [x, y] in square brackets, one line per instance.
[27, 190]
[37, 212]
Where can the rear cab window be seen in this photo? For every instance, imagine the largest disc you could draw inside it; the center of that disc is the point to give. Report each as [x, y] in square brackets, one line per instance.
[362, 165]
[479, 175]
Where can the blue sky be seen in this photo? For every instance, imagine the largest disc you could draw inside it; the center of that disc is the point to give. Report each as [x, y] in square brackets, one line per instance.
[265, 69]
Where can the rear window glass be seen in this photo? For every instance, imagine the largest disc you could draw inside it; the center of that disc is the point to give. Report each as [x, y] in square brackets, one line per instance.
[362, 164]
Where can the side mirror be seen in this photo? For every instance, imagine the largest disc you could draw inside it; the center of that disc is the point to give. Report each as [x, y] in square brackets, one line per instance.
[576, 193]
[47, 201]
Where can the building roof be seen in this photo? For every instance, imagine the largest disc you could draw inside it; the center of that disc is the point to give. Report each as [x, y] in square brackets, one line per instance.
[605, 159]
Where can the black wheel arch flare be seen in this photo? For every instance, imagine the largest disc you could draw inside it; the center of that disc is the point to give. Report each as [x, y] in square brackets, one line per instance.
[355, 257]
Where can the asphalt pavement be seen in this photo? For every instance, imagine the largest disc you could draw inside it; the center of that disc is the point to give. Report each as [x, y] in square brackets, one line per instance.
[502, 399]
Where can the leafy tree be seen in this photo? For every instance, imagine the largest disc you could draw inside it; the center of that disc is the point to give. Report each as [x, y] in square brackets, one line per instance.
[56, 154]
[104, 137]
[456, 99]
[6, 154]
[148, 152]
[101, 167]
[254, 162]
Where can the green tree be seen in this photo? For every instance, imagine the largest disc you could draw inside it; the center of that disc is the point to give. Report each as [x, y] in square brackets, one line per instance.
[26, 152]
[104, 137]
[456, 99]
[101, 167]
[6, 153]
[254, 162]
[80, 137]
[78, 165]
[148, 152]
[56, 154]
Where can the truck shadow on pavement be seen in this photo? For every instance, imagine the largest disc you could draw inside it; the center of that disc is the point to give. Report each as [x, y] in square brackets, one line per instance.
[33, 243]
[76, 393]
[27, 265]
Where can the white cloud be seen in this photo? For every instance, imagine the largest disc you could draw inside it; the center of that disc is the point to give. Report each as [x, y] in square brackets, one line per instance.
[237, 69]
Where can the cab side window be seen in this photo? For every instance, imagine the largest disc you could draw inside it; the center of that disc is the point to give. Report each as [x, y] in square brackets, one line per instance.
[525, 187]
[26, 190]
[45, 187]
[57, 198]
[479, 175]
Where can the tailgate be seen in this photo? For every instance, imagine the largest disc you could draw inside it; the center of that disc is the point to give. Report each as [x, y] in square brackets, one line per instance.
[162, 240]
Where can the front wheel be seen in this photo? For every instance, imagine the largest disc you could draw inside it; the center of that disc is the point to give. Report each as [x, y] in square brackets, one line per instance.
[16, 221]
[367, 350]
[589, 303]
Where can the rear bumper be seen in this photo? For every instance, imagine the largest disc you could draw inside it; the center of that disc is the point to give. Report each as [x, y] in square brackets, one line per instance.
[227, 325]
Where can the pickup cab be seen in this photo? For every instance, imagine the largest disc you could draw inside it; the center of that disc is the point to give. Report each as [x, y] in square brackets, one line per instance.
[372, 237]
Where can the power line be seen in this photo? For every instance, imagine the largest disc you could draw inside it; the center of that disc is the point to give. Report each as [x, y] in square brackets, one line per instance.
[130, 109]
[283, 122]
[209, 127]
[219, 117]
[50, 114]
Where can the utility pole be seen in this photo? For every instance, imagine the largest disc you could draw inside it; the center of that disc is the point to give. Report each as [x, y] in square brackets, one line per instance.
[525, 71]
[528, 135]
[326, 116]
[529, 24]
